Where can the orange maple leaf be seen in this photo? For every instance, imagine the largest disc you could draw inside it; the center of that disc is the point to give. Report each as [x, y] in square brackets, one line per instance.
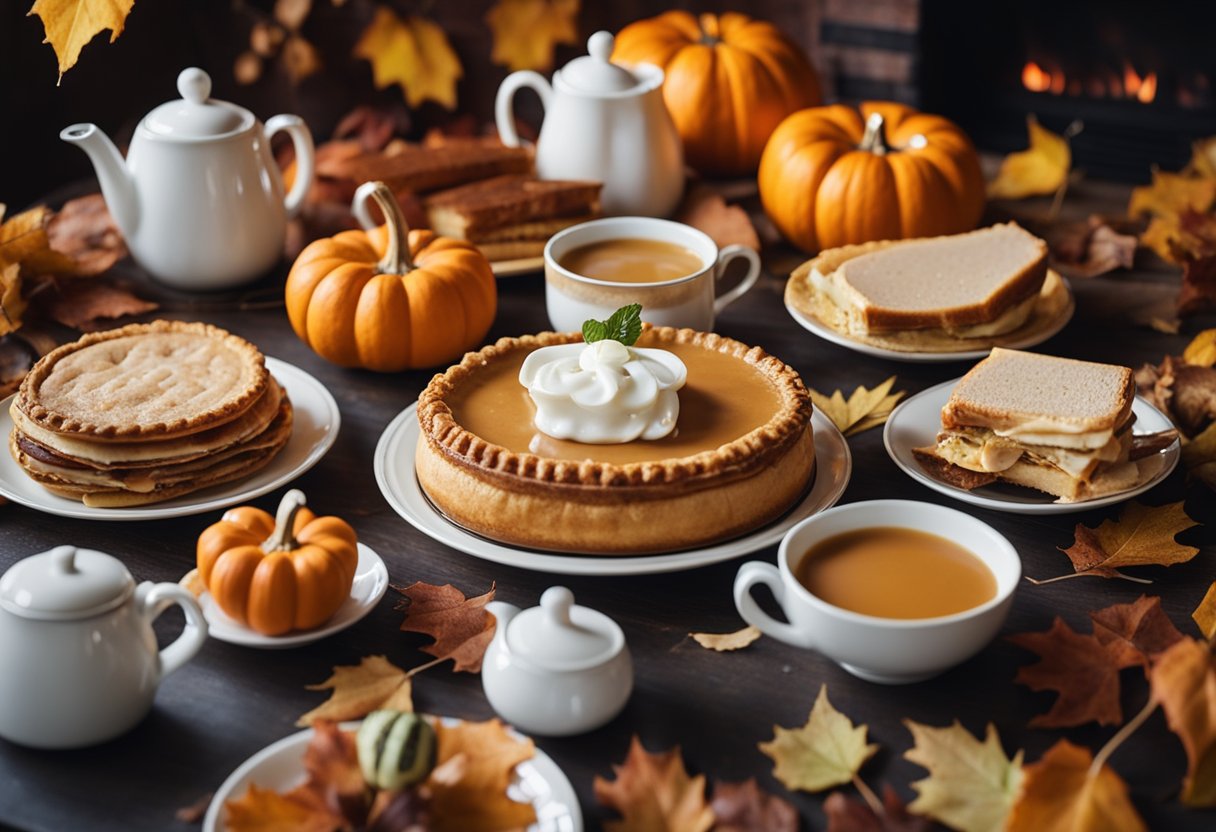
[359, 689]
[461, 627]
[1060, 794]
[265, 810]
[1184, 682]
[414, 54]
[1138, 631]
[486, 754]
[654, 792]
[527, 31]
[1142, 536]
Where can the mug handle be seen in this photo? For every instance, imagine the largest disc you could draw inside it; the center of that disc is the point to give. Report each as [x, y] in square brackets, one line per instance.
[157, 599]
[756, 572]
[504, 116]
[727, 254]
[306, 166]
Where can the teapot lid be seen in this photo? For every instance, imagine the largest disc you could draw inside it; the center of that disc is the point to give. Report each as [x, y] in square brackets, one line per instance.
[196, 115]
[594, 72]
[65, 582]
[561, 636]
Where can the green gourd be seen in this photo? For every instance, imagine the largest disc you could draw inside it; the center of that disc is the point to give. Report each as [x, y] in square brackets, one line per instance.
[396, 749]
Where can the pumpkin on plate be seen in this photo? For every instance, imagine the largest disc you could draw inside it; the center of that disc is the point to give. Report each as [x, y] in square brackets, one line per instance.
[390, 299]
[274, 575]
[730, 81]
[832, 176]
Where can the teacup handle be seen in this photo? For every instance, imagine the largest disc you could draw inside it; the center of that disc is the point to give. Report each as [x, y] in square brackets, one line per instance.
[756, 572]
[727, 254]
[504, 115]
[159, 598]
[305, 158]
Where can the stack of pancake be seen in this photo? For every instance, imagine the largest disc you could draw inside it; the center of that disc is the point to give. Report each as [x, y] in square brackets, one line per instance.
[146, 413]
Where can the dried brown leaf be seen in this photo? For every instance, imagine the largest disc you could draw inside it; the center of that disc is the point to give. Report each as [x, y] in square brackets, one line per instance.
[1198, 292]
[744, 807]
[461, 627]
[653, 792]
[1183, 680]
[359, 689]
[848, 814]
[1059, 795]
[1205, 614]
[704, 209]
[92, 304]
[1139, 631]
[85, 231]
[724, 642]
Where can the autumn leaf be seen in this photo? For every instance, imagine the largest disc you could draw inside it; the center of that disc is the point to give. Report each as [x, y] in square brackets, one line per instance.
[1060, 795]
[1083, 670]
[848, 814]
[1040, 170]
[89, 304]
[1201, 351]
[477, 801]
[527, 31]
[724, 642]
[653, 792]
[706, 210]
[1139, 631]
[863, 410]
[84, 231]
[12, 304]
[335, 784]
[358, 690]
[70, 24]
[1199, 456]
[461, 627]
[828, 751]
[414, 54]
[745, 807]
[265, 810]
[971, 784]
[1104, 250]
[24, 240]
[1170, 194]
[1205, 614]
[1142, 536]
[1184, 682]
[1198, 292]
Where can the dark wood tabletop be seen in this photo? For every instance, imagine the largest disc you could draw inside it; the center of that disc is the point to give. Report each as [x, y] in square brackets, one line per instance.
[231, 701]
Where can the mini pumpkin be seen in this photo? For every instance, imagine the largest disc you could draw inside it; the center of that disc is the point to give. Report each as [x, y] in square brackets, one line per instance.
[836, 175]
[274, 575]
[390, 299]
[730, 81]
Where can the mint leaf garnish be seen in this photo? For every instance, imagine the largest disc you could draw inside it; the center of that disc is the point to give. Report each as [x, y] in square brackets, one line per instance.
[624, 325]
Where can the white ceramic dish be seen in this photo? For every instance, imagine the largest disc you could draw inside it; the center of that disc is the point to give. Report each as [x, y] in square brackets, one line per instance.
[280, 766]
[394, 466]
[371, 582]
[825, 332]
[315, 428]
[915, 423]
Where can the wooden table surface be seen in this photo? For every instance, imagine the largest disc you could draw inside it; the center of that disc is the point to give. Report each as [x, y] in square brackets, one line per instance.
[231, 701]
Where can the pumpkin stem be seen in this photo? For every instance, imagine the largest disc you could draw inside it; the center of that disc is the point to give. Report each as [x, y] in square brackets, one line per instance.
[874, 140]
[711, 33]
[283, 538]
[396, 258]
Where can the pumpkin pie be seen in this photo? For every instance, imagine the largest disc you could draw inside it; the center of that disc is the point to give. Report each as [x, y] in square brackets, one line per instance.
[741, 455]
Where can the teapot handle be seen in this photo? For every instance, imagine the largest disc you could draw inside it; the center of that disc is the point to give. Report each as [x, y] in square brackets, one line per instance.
[158, 599]
[504, 115]
[305, 158]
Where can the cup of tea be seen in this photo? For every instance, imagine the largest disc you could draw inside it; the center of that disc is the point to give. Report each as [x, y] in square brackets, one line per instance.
[673, 270]
[894, 591]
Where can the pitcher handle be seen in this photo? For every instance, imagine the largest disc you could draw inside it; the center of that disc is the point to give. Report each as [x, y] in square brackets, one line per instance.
[306, 166]
[727, 254]
[755, 572]
[158, 599]
[504, 115]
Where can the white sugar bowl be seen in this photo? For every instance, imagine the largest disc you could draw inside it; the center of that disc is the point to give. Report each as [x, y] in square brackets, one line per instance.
[79, 659]
[557, 669]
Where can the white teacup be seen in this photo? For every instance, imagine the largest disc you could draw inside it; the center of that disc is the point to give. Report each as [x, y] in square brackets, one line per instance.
[691, 301]
[885, 650]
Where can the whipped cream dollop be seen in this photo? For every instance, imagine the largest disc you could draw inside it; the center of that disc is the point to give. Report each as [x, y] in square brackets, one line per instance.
[604, 392]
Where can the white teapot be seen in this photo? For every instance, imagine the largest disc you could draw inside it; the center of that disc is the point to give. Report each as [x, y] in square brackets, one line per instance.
[607, 123]
[80, 663]
[557, 669]
[199, 198]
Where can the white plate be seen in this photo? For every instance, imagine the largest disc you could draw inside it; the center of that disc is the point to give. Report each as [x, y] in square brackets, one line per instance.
[916, 422]
[828, 334]
[512, 268]
[314, 429]
[371, 582]
[280, 766]
[394, 466]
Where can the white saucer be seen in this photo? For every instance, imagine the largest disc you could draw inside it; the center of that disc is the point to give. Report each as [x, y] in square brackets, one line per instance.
[314, 429]
[916, 422]
[394, 466]
[371, 582]
[280, 766]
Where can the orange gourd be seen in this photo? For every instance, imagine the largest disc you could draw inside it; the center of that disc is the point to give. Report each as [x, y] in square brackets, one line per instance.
[390, 299]
[831, 176]
[730, 81]
[274, 575]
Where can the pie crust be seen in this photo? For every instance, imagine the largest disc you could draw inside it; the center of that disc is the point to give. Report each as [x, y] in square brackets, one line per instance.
[596, 507]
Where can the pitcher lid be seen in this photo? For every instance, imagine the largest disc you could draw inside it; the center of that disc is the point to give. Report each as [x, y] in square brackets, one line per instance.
[595, 72]
[561, 636]
[196, 115]
[65, 582]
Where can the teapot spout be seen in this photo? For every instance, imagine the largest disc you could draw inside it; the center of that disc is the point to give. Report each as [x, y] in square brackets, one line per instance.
[111, 169]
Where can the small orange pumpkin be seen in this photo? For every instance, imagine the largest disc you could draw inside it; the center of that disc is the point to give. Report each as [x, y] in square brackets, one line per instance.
[291, 572]
[390, 299]
[730, 81]
[831, 176]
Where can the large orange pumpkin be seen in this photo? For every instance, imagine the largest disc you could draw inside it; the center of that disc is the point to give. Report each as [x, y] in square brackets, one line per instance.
[730, 81]
[386, 301]
[831, 176]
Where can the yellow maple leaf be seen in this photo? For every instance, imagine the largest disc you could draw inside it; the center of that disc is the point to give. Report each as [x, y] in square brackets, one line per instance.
[12, 304]
[1144, 535]
[527, 31]
[265, 810]
[971, 784]
[1202, 349]
[1172, 193]
[358, 690]
[70, 24]
[1040, 170]
[413, 53]
[1059, 794]
[477, 800]
[828, 751]
[1205, 614]
[725, 642]
[863, 410]
[654, 793]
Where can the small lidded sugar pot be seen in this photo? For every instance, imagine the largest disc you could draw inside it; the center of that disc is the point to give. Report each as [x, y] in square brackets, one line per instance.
[557, 669]
[79, 658]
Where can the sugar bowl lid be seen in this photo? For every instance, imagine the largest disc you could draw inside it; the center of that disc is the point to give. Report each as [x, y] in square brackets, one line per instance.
[65, 582]
[196, 115]
[560, 636]
[595, 72]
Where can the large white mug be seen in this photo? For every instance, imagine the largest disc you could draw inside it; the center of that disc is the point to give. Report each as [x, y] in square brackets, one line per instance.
[691, 301]
[885, 650]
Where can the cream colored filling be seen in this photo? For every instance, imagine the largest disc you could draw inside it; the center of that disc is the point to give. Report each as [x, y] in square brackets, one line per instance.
[979, 449]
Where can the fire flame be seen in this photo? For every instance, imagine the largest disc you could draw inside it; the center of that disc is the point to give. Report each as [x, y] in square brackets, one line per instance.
[1142, 88]
[1035, 78]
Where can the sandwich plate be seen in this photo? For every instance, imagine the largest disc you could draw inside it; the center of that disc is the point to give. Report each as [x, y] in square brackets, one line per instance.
[314, 429]
[512, 268]
[916, 422]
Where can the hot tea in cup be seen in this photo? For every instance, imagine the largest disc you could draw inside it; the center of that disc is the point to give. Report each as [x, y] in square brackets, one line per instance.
[632, 260]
